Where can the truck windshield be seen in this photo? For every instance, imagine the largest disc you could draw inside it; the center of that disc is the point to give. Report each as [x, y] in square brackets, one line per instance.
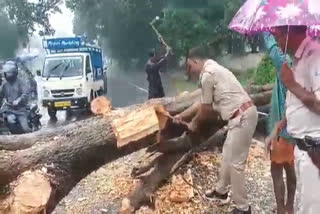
[63, 67]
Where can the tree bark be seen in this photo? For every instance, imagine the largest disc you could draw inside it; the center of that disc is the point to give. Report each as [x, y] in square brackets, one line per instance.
[163, 161]
[173, 105]
[68, 154]
[254, 89]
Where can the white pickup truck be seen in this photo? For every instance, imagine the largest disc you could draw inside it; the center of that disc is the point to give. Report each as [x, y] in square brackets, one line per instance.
[72, 75]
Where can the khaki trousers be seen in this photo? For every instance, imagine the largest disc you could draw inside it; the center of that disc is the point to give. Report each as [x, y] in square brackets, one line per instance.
[235, 154]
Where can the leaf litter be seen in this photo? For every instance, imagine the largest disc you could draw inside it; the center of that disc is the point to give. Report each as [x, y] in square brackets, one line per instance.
[102, 191]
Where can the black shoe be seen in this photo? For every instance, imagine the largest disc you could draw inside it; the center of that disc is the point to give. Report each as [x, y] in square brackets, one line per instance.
[237, 211]
[218, 198]
[53, 120]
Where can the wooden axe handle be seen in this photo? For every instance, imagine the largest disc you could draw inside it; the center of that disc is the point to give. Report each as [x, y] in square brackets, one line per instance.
[160, 36]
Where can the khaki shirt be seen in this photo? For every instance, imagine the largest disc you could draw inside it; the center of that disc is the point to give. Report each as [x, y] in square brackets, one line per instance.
[221, 89]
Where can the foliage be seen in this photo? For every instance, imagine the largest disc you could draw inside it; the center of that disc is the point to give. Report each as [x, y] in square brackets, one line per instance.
[265, 73]
[8, 37]
[183, 29]
[235, 41]
[122, 25]
[230, 9]
[189, 25]
[27, 15]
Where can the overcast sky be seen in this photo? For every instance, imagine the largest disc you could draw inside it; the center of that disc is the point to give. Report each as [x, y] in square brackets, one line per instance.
[62, 23]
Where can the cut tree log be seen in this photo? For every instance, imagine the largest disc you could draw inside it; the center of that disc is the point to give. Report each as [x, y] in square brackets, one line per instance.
[68, 154]
[31, 194]
[136, 125]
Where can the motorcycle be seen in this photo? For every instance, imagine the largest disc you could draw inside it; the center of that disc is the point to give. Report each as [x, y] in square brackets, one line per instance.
[3, 128]
[33, 118]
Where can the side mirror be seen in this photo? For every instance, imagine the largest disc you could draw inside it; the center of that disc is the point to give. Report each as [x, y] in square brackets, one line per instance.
[105, 68]
[39, 73]
[88, 71]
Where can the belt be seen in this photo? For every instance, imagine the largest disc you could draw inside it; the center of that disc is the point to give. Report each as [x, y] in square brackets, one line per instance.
[308, 144]
[242, 108]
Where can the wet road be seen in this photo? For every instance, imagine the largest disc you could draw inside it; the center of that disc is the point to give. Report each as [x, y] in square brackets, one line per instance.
[124, 89]
[128, 88]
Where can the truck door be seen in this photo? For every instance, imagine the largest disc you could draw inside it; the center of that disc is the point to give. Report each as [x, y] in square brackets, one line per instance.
[89, 78]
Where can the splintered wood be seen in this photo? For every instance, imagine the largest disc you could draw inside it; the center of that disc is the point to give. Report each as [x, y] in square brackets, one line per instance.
[181, 191]
[139, 124]
[101, 106]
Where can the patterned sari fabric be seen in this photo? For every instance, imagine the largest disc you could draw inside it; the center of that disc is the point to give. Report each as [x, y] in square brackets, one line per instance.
[279, 91]
[282, 150]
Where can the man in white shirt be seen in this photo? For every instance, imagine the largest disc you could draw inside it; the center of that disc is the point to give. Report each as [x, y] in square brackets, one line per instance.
[303, 111]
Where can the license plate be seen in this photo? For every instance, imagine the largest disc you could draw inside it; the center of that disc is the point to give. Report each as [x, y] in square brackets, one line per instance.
[62, 104]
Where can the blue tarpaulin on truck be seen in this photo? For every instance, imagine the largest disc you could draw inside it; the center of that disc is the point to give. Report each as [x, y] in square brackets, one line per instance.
[77, 45]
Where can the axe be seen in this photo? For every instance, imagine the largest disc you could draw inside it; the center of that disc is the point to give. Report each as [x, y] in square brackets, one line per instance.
[157, 32]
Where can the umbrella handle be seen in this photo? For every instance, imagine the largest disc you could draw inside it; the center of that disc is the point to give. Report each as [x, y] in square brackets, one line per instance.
[286, 47]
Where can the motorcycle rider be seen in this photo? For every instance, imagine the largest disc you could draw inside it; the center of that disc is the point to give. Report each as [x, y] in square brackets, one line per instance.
[14, 91]
[31, 82]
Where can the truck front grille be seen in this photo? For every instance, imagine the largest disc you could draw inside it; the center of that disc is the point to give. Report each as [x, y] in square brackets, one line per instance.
[62, 93]
[61, 96]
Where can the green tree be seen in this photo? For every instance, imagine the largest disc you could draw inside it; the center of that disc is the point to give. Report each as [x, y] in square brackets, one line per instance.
[122, 26]
[231, 7]
[8, 37]
[19, 19]
[235, 41]
[183, 29]
[27, 15]
[187, 24]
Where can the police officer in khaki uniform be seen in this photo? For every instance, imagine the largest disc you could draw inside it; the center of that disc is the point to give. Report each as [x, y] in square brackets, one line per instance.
[223, 92]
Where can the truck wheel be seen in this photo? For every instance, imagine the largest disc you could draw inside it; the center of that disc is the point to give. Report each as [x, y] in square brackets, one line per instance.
[89, 104]
[106, 85]
[68, 114]
[52, 112]
[101, 92]
[91, 96]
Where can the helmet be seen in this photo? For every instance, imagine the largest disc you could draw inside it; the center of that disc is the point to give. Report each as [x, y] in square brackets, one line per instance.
[10, 70]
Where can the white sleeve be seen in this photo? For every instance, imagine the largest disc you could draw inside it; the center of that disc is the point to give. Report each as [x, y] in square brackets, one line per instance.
[314, 74]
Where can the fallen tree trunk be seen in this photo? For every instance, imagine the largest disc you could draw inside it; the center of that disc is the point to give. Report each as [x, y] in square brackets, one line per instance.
[173, 105]
[159, 167]
[261, 99]
[20, 142]
[67, 154]
[254, 89]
